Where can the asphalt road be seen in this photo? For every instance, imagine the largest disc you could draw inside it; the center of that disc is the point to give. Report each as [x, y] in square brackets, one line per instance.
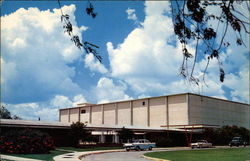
[117, 156]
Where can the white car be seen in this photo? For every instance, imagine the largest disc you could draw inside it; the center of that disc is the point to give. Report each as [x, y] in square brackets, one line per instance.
[201, 144]
[139, 144]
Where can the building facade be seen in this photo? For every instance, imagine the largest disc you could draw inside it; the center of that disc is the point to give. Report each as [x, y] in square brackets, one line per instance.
[160, 113]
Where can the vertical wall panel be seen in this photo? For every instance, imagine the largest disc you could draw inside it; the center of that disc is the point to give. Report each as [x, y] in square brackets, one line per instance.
[124, 113]
[157, 112]
[109, 114]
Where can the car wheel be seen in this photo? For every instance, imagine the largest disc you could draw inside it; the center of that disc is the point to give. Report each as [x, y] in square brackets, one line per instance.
[150, 148]
[127, 149]
[137, 148]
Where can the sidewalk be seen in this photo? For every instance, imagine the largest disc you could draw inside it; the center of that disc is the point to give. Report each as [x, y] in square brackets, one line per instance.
[16, 158]
[76, 156]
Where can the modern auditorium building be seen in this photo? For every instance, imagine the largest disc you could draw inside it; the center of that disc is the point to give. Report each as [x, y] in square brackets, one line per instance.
[171, 112]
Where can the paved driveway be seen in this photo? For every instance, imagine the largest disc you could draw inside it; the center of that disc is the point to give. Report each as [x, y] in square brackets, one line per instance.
[127, 156]
[117, 156]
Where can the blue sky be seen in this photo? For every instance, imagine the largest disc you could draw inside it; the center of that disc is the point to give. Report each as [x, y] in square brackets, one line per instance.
[43, 71]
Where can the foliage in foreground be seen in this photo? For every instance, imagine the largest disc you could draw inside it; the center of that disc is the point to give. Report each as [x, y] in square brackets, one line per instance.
[78, 132]
[27, 141]
[223, 135]
[125, 134]
[5, 114]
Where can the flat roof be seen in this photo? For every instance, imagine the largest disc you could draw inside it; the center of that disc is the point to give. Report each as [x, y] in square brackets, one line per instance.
[60, 125]
[33, 124]
[157, 97]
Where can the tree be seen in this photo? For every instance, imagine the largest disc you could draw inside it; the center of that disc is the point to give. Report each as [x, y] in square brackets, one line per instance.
[87, 46]
[125, 134]
[190, 19]
[78, 131]
[5, 114]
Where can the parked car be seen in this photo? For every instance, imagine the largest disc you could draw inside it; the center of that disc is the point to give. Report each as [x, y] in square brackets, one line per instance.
[237, 141]
[201, 144]
[140, 144]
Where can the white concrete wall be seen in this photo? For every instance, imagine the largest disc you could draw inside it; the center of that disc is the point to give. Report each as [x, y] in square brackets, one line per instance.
[109, 114]
[157, 112]
[205, 110]
[124, 113]
[97, 115]
[202, 110]
[178, 110]
[64, 115]
[140, 113]
[84, 117]
[74, 115]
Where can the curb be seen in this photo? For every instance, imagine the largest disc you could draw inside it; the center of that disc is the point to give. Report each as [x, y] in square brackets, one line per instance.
[77, 156]
[99, 152]
[154, 159]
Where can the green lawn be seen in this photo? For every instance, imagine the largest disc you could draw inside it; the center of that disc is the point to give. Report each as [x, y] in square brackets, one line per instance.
[53, 153]
[231, 154]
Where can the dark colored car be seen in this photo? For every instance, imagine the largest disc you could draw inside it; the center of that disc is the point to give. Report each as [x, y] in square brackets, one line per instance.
[237, 141]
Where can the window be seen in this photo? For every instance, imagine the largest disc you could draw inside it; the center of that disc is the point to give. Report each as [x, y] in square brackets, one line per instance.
[143, 103]
[83, 111]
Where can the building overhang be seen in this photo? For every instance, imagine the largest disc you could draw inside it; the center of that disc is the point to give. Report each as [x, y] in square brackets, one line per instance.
[33, 124]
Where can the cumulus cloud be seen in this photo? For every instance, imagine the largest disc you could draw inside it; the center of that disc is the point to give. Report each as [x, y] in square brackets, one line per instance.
[47, 111]
[149, 59]
[145, 60]
[36, 52]
[107, 90]
[33, 111]
[65, 102]
[94, 65]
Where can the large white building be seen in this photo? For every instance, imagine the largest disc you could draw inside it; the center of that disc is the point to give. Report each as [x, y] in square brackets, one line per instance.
[171, 112]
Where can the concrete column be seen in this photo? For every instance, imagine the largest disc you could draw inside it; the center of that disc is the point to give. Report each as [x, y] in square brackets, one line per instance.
[102, 114]
[59, 115]
[90, 114]
[187, 100]
[79, 114]
[115, 138]
[167, 112]
[116, 114]
[131, 113]
[148, 112]
[68, 115]
[102, 138]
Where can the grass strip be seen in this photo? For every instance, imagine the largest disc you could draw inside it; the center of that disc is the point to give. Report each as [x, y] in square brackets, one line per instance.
[231, 154]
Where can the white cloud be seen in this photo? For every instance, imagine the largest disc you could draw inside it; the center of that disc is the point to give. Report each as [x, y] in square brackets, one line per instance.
[107, 91]
[46, 111]
[79, 99]
[65, 102]
[33, 111]
[61, 101]
[144, 60]
[131, 14]
[36, 52]
[148, 60]
[94, 65]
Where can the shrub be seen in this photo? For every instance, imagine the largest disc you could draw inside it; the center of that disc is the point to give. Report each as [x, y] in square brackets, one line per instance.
[27, 141]
[78, 131]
